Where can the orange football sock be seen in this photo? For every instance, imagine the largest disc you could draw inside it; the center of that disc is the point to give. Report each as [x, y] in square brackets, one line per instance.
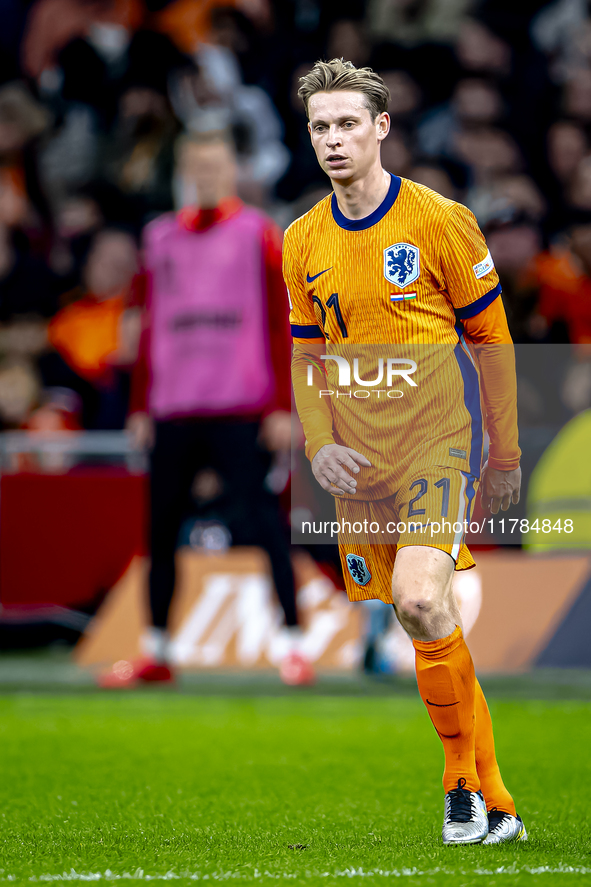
[445, 675]
[491, 783]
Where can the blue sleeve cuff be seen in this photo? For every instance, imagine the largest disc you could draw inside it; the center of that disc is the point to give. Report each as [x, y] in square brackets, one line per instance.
[306, 331]
[479, 305]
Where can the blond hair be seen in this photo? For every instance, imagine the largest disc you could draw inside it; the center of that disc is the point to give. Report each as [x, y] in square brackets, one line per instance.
[339, 75]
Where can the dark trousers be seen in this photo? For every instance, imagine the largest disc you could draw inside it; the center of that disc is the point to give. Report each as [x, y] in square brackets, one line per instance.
[252, 514]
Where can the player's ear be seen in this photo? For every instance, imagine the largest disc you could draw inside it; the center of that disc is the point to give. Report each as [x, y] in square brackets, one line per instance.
[382, 125]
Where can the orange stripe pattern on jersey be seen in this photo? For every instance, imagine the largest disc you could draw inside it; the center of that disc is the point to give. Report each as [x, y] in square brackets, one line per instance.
[435, 278]
[407, 274]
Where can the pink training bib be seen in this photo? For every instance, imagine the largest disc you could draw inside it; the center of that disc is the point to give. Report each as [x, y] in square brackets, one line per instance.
[209, 340]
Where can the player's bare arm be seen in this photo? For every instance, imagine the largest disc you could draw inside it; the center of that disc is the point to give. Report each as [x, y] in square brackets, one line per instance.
[333, 467]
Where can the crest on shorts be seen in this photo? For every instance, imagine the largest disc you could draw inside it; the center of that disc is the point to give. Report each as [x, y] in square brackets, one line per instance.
[402, 264]
[358, 569]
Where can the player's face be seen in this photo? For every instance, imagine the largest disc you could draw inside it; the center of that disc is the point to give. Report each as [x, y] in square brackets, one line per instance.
[346, 140]
[212, 168]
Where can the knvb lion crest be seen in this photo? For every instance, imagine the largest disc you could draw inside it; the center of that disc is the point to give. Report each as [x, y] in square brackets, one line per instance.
[358, 569]
[402, 264]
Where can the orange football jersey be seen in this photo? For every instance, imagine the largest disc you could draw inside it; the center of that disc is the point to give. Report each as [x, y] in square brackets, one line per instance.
[403, 274]
[406, 276]
[381, 363]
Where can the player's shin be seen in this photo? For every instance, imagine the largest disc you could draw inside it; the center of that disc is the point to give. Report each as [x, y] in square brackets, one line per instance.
[446, 681]
[491, 783]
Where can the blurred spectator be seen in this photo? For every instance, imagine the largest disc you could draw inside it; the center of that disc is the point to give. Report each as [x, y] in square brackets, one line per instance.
[23, 203]
[186, 22]
[562, 30]
[19, 392]
[434, 177]
[191, 22]
[250, 39]
[567, 145]
[96, 337]
[514, 246]
[412, 22]
[577, 96]
[475, 103]
[96, 72]
[27, 285]
[396, 153]
[77, 217]
[59, 410]
[505, 196]
[481, 51]
[68, 159]
[487, 151]
[405, 97]
[347, 39]
[303, 171]
[25, 337]
[212, 97]
[492, 157]
[212, 386]
[138, 157]
[578, 193]
[52, 24]
[515, 242]
[90, 92]
[563, 276]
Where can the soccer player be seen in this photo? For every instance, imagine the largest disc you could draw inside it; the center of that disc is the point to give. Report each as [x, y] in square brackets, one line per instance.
[386, 260]
[212, 386]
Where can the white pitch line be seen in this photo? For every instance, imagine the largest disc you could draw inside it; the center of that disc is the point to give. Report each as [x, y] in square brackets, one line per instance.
[256, 875]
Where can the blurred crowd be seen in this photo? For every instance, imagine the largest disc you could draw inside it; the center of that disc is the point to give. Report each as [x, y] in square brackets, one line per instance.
[490, 105]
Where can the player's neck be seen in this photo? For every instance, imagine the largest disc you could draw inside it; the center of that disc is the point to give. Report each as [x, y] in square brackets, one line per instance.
[360, 198]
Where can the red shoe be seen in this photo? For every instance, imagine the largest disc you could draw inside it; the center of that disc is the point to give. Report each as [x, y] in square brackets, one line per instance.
[130, 674]
[296, 671]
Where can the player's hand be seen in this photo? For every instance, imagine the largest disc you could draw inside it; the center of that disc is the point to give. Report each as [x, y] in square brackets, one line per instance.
[498, 489]
[275, 433]
[141, 428]
[333, 465]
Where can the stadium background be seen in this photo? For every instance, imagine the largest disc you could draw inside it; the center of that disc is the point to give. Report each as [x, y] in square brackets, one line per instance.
[491, 105]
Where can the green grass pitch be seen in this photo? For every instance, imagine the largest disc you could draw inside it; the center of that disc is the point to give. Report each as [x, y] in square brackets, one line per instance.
[298, 789]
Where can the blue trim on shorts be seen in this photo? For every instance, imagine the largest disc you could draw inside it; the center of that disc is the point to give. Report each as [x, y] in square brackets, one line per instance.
[470, 493]
[472, 404]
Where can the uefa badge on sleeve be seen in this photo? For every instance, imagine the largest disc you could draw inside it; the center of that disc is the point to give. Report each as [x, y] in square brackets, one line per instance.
[358, 569]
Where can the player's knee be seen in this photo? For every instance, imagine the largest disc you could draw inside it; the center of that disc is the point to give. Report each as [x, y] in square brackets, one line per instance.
[420, 608]
[415, 611]
[421, 591]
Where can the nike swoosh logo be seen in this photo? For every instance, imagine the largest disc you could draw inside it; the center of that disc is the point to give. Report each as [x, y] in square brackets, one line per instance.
[310, 279]
[446, 705]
